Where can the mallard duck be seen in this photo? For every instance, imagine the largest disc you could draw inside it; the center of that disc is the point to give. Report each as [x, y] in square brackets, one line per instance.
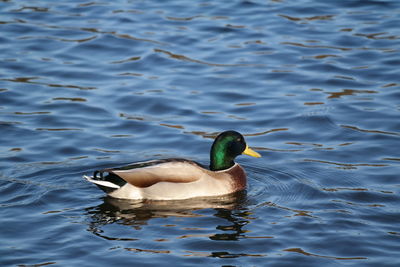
[175, 178]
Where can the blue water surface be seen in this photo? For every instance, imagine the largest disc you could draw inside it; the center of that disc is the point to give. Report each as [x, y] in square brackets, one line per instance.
[313, 86]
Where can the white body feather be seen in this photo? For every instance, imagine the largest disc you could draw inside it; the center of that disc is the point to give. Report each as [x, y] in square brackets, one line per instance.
[206, 182]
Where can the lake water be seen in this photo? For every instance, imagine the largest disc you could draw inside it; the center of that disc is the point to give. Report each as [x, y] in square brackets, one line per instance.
[313, 86]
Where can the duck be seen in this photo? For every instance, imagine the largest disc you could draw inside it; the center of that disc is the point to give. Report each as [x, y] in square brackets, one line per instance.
[179, 178]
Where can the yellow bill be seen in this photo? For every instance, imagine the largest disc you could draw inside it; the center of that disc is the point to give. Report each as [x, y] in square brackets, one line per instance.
[250, 152]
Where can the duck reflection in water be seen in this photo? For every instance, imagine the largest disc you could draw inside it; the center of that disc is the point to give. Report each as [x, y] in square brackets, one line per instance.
[138, 213]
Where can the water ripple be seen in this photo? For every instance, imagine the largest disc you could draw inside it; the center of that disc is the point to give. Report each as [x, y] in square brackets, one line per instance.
[185, 58]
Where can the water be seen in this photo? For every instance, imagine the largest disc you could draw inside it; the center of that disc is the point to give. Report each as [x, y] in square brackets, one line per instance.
[314, 86]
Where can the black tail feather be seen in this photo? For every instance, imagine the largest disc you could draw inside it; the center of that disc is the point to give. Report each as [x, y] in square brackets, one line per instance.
[110, 177]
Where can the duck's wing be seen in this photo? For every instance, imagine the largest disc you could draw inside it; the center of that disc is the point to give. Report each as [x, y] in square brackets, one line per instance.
[146, 174]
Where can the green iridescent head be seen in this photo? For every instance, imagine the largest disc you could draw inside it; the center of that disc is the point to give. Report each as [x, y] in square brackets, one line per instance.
[226, 147]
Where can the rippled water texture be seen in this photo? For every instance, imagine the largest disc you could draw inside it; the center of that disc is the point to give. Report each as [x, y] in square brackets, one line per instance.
[313, 85]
